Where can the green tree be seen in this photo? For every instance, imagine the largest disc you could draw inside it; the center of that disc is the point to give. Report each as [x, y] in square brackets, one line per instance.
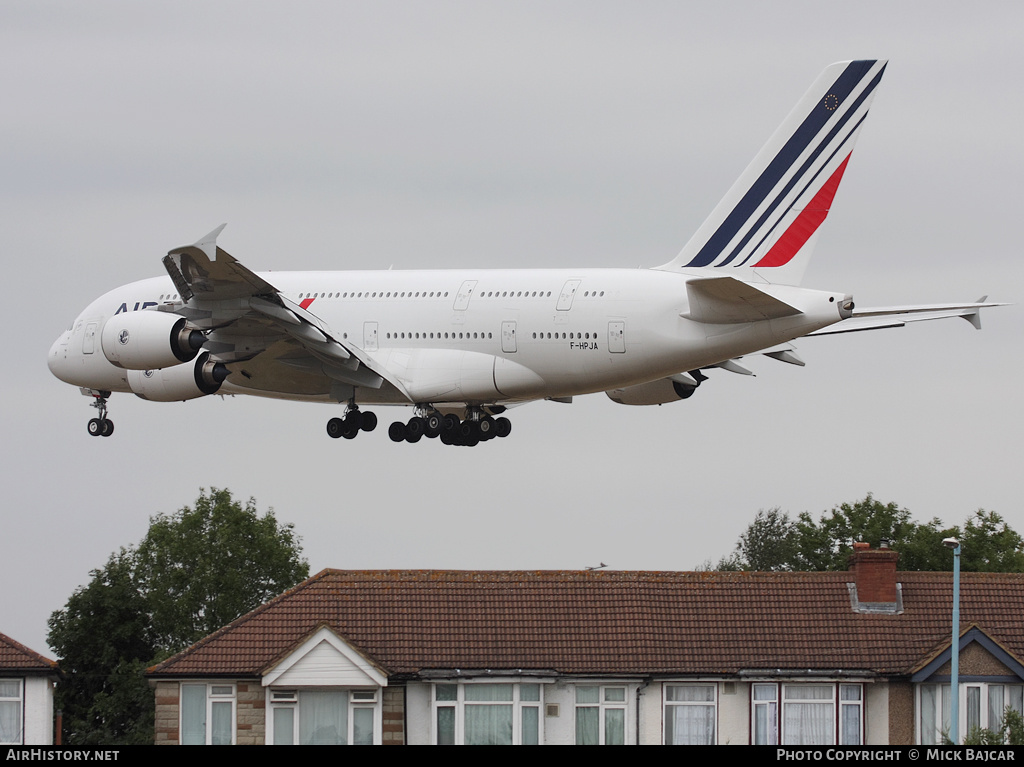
[204, 566]
[195, 571]
[768, 543]
[101, 632]
[989, 545]
[774, 542]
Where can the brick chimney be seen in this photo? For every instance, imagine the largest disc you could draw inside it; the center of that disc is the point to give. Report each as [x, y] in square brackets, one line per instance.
[874, 573]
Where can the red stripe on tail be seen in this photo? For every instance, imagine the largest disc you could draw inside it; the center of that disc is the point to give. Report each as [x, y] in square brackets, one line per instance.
[806, 224]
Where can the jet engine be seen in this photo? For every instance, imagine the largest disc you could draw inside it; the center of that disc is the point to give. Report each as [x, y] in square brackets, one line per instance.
[149, 340]
[180, 382]
[659, 392]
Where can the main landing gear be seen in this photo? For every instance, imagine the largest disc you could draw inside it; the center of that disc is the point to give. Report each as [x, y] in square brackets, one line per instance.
[478, 427]
[102, 426]
[354, 421]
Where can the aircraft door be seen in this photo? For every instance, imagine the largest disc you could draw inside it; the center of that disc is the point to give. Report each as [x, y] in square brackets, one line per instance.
[617, 336]
[370, 336]
[465, 293]
[568, 293]
[508, 336]
[89, 341]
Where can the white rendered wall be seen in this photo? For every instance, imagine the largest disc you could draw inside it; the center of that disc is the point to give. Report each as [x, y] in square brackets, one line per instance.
[876, 714]
[38, 712]
[417, 713]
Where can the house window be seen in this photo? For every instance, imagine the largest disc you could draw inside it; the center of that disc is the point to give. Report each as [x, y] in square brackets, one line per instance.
[982, 706]
[851, 714]
[10, 711]
[207, 714]
[810, 714]
[690, 714]
[764, 715]
[500, 714]
[324, 717]
[600, 716]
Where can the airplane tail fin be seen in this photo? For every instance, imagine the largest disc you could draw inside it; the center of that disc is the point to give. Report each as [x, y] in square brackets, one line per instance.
[768, 221]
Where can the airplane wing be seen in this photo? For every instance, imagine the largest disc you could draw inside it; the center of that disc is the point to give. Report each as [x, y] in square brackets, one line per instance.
[267, 341]
[898, 316]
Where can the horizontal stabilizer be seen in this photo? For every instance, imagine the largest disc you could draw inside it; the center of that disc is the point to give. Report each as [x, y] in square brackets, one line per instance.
[897, 316]
[726, 300]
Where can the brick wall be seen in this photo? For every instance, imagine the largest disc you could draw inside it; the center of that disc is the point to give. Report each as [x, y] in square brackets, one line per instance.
[165, 724]
[393, 725]
[250, 714]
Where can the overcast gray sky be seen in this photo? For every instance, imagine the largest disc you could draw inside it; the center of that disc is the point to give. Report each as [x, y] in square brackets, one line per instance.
[344, 135]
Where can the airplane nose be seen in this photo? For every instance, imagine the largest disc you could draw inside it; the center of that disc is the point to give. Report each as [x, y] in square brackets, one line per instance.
[57, 357]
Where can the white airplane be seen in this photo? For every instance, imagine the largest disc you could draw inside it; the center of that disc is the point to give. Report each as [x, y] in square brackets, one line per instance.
[461, 347]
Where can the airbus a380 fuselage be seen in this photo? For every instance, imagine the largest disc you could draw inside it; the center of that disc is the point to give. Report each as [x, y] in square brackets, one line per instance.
[462, 346]
[483, 337]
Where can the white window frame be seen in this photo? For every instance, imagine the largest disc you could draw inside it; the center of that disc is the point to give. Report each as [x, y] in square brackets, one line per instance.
[1012, 695]
[774, 710]
[851, 705]
[16, 703]
[669, 706]
[215, 694]
[605, 703]
[357, 699]
[768, 706]
[460, 704]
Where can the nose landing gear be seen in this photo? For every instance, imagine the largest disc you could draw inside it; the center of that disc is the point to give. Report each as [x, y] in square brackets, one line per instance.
[102, 426]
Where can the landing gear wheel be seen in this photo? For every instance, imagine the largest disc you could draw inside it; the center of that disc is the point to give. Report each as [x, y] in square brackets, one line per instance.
[108, 427]
[415, 428]
[350, 430]
[487, 428]
[335, 428]
[469, 433]
[503, 426]
[353, 420]
[397, 431]
[369, 422]
[95, 427]
[433, 424]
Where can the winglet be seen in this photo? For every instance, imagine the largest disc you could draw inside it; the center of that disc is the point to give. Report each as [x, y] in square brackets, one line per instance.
[208, 244]
[975, 317]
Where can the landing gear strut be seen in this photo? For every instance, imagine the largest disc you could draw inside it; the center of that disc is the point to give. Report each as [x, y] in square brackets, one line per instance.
[351, 424]
[102, 426]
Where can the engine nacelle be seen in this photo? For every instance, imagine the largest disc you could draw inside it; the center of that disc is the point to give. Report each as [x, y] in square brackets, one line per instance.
[654, 392]
[179, 383]
[149, 340]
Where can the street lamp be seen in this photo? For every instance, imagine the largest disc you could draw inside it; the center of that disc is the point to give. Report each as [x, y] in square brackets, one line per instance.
[954, 676]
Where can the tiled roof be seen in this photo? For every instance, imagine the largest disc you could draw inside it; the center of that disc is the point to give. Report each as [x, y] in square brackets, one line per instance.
[14, 656]
[611, 622]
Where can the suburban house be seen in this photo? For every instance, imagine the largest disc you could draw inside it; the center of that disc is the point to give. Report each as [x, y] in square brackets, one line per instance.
[603, 657]
[26, 695]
